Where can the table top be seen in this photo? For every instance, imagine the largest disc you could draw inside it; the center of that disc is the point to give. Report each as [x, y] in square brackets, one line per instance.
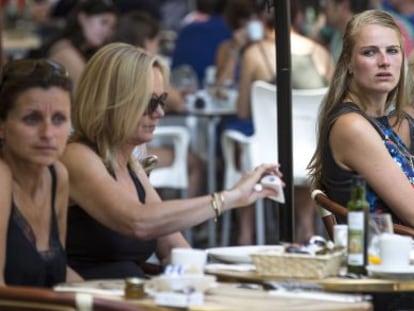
[230, 296]
[332, 284]
[16, 41]
[203, 103]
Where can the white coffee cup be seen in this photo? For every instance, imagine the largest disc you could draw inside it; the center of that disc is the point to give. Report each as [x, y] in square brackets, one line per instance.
[340, 235]
[255, 30]
[394, 250]
[192, 260]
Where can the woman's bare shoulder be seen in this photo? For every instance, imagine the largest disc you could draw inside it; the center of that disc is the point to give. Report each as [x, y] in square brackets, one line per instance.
[62, 45]
[75, 151]
[352, 126]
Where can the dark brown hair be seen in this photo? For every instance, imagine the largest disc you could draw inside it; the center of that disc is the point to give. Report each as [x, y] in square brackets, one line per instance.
[20, 75]
[135, 27]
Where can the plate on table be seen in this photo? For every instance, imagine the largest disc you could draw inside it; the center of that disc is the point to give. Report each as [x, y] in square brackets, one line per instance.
[391, 272]
[240, 254]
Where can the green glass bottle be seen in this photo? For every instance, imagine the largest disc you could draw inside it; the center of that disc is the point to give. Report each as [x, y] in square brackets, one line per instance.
[358, 213]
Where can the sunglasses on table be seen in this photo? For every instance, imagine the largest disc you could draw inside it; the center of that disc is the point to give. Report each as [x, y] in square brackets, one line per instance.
[156, 101]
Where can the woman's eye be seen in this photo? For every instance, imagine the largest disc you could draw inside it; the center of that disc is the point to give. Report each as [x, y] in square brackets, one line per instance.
[368, 53]
[32, 119]
[59, 119]
[393, 51]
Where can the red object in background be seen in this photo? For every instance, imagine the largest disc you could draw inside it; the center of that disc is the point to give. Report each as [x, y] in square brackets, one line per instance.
[20, 3]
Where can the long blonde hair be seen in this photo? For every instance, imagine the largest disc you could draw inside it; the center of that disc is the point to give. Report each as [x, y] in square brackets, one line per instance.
[112, 96]
[340, 86]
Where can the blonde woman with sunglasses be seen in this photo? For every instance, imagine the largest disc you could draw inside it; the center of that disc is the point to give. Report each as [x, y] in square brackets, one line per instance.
[116, 219]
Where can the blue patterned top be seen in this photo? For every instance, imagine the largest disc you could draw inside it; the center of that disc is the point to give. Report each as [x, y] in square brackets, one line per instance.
[400, 154]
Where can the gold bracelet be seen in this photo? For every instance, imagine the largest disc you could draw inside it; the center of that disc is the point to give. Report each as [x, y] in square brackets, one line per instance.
[215, 207]
[216, 204]
[218, 196]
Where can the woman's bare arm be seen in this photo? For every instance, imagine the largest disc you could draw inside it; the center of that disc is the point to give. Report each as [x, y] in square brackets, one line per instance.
[96, 191]
[5, 206]
[357, 146]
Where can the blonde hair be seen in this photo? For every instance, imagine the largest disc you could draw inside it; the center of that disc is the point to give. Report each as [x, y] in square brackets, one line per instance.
[340, 86]
[112, 96]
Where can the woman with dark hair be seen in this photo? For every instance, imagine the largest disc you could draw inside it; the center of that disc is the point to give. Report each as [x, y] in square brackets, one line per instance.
[90, 26]
[34, 187]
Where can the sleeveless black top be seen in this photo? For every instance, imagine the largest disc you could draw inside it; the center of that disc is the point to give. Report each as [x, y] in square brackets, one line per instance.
[337, 182]
[25, 265]
[95, 251]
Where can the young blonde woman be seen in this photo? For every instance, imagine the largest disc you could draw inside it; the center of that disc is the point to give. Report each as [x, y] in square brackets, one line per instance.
[355, 135]
[117, 220]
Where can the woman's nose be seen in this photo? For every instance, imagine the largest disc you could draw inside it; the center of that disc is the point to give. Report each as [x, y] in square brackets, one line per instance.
[47, 129]
[383, 60]
[159, 112]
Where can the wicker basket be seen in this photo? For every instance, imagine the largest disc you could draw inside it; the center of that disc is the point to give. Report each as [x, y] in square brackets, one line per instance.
[297, 265]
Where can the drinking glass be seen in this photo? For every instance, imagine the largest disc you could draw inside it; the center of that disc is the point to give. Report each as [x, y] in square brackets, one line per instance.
[378, 224]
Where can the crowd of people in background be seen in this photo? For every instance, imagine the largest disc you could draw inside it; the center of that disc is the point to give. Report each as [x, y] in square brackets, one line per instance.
[75, 197]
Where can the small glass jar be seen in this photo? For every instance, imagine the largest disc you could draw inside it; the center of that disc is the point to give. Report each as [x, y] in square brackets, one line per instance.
[134, 288]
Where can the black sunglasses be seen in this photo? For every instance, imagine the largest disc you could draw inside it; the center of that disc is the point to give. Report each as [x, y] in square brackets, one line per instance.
[156, 101]
[25, 67]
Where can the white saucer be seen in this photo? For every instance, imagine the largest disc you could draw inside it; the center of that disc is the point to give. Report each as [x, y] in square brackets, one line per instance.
[391, 272]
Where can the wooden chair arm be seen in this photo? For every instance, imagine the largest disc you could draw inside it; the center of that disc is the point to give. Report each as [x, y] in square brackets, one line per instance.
[339, 210]
[330, 205]
[25, 298]
[403, 230]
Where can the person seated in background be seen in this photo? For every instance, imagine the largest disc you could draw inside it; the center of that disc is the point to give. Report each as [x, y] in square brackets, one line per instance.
[355, 135]
[34, 127]
[312, 67]
[197, 42]
[116, 219]
[90, 25]
[140, 29]
[237, 14]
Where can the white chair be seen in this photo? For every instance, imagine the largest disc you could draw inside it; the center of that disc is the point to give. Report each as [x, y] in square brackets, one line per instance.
[305, 111]
[262, 147]
[174, 176]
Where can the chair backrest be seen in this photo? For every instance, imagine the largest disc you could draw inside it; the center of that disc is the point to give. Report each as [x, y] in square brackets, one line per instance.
[334, 209]
[305, 110]
[23, 298]
[264, 143]
[174, 176]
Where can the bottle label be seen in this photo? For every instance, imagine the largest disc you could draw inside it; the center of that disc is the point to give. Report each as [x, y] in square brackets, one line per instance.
[356, 238]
